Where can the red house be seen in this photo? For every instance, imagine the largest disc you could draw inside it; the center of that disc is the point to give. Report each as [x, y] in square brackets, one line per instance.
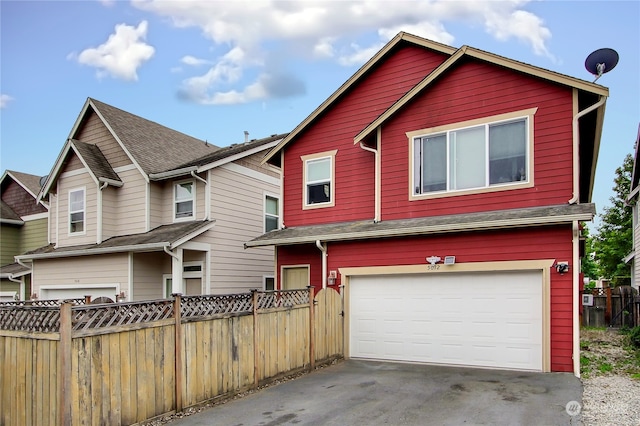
[441, 190]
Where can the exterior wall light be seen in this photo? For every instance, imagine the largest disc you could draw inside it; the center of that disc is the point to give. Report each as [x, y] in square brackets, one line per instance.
[562, 267]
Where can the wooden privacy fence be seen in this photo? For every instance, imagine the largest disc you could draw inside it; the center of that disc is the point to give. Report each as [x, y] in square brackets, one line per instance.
[613, 307]
[117, 364]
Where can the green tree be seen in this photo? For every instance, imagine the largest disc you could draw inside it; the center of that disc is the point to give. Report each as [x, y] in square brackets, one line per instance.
[614, 238]
[588, 264]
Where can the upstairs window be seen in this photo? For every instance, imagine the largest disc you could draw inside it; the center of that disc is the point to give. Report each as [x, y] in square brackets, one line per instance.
[184, 200]
[77, 211]
[319, 180]
[475, 157]
[271, 213]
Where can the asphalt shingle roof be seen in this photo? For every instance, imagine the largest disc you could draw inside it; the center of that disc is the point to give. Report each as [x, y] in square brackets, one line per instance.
[96, 161]
[155, 148]
[7, 212]
[32, 182]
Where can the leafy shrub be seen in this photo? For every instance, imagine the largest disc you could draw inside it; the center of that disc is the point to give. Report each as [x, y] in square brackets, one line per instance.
[634, 337]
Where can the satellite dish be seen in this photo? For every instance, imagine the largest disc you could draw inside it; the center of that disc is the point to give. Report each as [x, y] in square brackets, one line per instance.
[42, 180]
[601, 61]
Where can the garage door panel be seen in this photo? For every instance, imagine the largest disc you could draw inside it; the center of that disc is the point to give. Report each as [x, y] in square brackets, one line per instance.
[492, 320]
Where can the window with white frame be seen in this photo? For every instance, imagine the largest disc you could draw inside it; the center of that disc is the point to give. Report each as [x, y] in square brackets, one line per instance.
[319, 179]
[479, 156]
[271, 213]
[184, 200]
[77, 210]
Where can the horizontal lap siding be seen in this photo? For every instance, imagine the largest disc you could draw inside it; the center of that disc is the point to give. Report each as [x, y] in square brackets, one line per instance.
[470, 91]
[148, 269]
[66, 184]
[335, 129]
[554, 242]
[93, 131]
[130, 204]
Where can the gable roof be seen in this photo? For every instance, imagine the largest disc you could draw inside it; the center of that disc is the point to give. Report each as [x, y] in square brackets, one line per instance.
[455, 56]
[8, 216]
[91, 157]
[153, 147]
[30, 183]
[169, 236]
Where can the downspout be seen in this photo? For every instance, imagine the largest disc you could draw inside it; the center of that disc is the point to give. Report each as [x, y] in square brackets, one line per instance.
[206, 188]
[176, 270]
[576, 145]
[576, 298]
[376, 216]
[323, 249]
[99, 231]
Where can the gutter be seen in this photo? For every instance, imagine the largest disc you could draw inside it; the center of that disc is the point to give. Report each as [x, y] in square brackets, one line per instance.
[576, 146]
[376, 152]
[91, 251]
[323, 249]
[172, 173]
[206, 191]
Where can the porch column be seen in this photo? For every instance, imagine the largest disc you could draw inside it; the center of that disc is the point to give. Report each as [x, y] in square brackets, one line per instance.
[176, 272]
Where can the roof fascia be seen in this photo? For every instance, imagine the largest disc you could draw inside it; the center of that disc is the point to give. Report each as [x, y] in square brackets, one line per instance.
[113, 133]
[172, 173]
[596, 147]
[192, 235]
[237, 156]
[53, 175]
[92, 251]
[430, 229]
[84, 163]
[410, 94]
[353, 79]
[11, 221]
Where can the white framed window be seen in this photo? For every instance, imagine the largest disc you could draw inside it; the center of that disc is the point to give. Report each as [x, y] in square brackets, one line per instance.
[184, 200]
[319, 180]
[271, 213]
[77, 211]
[477, 155]
[268, 283]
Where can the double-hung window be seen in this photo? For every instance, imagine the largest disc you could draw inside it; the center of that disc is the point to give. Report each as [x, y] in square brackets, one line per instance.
[184, 200]
[271, 213]
[319, 180]
[77, 211]
[479, 156]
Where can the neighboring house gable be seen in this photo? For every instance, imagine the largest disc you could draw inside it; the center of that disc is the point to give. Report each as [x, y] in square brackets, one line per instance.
[24, 227]
[434, 188]
[156, 207]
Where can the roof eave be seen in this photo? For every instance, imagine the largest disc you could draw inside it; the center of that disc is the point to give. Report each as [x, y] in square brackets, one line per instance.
[94, 251]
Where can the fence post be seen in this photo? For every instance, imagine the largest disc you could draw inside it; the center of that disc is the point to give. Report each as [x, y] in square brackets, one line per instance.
[312, 328]
[256, 351]
[177, 314]
[64, 365]
[607, 311]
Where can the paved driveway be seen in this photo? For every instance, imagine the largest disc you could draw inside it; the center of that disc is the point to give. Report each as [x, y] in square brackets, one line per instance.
[381, 393]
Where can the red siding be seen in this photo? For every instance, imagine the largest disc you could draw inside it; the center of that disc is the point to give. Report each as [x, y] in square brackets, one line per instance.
[476, 90]
[487, 246]
[365, 101]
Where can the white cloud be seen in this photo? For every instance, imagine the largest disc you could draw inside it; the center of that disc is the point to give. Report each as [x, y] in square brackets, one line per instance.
[4, 100]
[193, 61]
[325, 29]
[121, 55]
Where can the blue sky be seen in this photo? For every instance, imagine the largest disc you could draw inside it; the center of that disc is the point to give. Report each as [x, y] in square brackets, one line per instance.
[215, 69]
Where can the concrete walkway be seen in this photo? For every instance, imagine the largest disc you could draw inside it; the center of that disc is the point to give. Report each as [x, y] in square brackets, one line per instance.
[381, 393]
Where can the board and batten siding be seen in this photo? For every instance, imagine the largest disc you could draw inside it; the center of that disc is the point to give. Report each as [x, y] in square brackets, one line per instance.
[81, 270]
[148, 269]
[94, 131]
[475, 90]
[65, 184]
[335, 129]
[237, 205]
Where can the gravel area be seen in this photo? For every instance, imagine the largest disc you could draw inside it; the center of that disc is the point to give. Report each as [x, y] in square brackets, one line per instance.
[611, 396]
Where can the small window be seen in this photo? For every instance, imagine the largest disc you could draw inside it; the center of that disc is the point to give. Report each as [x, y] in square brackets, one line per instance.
[271, 213]
[76, 211]
[269, 283]
[319, 180]
[184, 197]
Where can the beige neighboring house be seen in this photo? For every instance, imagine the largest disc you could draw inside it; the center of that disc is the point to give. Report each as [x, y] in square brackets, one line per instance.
[23, 223]
[141, 211]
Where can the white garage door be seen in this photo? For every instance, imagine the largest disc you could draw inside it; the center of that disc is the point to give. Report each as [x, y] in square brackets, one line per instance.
[480, 319]
[61, 293]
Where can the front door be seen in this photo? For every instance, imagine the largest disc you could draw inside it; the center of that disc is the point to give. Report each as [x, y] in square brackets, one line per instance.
[295, 278]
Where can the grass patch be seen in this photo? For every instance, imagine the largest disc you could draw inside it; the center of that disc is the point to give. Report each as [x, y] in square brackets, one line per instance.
[605, 351]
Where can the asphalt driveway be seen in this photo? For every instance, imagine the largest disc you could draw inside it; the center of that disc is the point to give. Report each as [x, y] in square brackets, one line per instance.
[380, 393]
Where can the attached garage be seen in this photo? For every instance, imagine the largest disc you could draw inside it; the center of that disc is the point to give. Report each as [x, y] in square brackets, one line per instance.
[75, 292]
[480, 319]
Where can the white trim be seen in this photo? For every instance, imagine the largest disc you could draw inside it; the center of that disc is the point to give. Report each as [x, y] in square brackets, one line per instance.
[76, 172]
[302, 265]
[185, 240]
[331, 155]
[130, 277]
[238, 156]
[70, 212]
[264, 282]
[79, 285]
[233, 167]
[207, 197]
[266, 194]
[125, 168]
[193, 274]
[193, 245]
[36, 216]
[575, 272]
[147, 207]
[92, 251]
[174, 202]
[16, 180]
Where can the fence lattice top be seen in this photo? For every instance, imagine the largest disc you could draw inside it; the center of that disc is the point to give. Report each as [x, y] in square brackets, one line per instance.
[44, 315]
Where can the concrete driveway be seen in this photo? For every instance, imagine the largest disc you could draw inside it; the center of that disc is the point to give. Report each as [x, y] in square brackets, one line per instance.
[381, 393]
